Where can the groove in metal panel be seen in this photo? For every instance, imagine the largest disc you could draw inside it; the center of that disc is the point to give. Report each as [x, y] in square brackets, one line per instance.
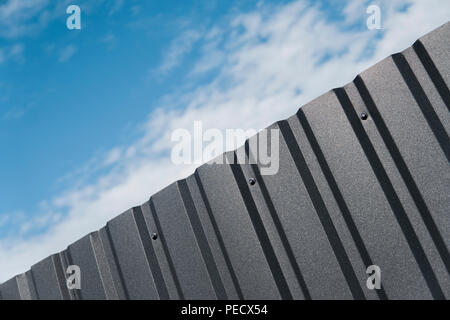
[214, 217]
[396, 178]
[113, 262]
[211, 238]
[24, 289]
[268, 225]
[49, 279]
[201, 240]
[150, 254]
[160, 256]
[92, 275]
[304, 231]
[132, 261]
[278, 225]
[239, 234]
[338, 196]
[65, 259]
[335, 214]
[419, 150]
[322, 212]
[405, 172]
[103, 268]
[219, 236]
[433, 72]
[261, 233]
[391, 195]
[96, 281]
[33, 280]
[436, 45]
[31, 286]
[181, 241]
[61, 277]
[424, 103]
[365, 198]
[166, 249]
[10, 290]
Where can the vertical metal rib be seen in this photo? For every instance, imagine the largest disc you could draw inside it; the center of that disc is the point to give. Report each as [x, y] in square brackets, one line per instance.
[391, 195]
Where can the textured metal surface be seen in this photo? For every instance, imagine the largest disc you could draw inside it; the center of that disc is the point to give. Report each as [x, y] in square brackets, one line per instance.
[349, 193]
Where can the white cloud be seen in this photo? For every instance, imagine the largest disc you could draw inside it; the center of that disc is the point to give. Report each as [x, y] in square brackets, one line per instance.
[14, 113]
[116, 7]
[15, 17]
[178, 48]
[109, 40]
[113, 156]
[3, 219]
[270, 66]
[21, 18]
[13, 52]
[67, 53]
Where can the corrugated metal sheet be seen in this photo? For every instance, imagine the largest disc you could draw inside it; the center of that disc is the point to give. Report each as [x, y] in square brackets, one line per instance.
[350, 192]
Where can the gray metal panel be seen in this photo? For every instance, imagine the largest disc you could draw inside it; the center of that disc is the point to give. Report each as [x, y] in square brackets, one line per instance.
[18, 288]
[111, 260]
[254, 277]
[96, 282]
[10, 290]
[363, 194]
[190, 253]
[294, 199]
[214, 238]
[350, 192]
[131, 256]
[49, 280]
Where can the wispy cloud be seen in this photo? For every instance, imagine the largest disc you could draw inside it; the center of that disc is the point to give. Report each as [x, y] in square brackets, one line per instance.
[179, 47]
[270, 66]
[66, 53]
[13, 52]
[14, 113]
[109, 40]
[113, 156]
[22, 18]
[135, 10]
[15, 17]
[116, 6]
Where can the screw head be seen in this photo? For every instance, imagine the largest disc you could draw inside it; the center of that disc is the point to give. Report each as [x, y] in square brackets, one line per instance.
[251, 181]
[154, 236]
[364, 116]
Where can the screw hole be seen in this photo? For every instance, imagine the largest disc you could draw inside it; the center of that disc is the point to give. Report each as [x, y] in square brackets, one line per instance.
[364, 116]
[154, 236]
[251, 181]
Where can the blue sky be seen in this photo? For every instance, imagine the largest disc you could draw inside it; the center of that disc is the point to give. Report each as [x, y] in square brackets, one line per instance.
[70, 94]
[66, 95]
[86, 115]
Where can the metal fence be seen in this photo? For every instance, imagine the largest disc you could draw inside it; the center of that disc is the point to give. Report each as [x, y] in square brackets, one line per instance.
[363, 180]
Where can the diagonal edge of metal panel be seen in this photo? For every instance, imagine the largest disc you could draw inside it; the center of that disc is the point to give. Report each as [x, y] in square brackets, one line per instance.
[363, 180]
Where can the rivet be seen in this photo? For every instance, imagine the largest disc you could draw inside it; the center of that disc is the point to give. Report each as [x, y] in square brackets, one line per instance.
[154, 236]
[251, 181]
[364, 116]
